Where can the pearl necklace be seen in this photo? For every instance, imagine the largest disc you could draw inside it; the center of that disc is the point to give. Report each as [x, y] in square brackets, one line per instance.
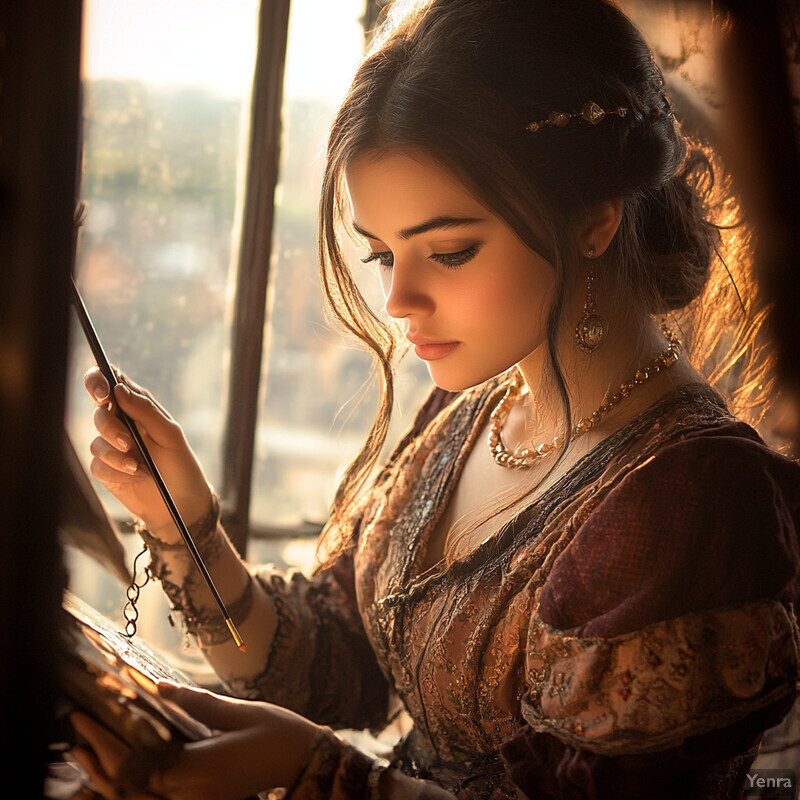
[527, 457]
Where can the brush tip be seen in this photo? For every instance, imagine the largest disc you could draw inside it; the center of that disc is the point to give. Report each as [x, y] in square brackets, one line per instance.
[236, 637]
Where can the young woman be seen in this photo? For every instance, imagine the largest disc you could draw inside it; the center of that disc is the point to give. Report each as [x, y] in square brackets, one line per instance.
[577, 570]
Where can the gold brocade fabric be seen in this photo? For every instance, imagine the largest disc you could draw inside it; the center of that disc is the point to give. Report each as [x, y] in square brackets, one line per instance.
[462, 647]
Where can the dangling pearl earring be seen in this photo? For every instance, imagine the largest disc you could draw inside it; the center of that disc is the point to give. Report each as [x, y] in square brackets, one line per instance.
[591, 328]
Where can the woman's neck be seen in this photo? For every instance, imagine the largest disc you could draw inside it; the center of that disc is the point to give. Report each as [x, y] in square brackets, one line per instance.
[591, 380]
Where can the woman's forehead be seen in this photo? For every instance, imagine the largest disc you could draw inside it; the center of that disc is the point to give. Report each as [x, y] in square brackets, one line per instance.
[407, 189]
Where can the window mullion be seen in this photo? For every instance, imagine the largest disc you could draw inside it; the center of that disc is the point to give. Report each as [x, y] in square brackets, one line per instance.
[253, 268]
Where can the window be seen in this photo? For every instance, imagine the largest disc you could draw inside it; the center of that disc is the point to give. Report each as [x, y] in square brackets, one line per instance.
[163, 152]
[167, 121]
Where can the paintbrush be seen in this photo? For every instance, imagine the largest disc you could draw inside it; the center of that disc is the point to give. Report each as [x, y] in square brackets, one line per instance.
[108, 373]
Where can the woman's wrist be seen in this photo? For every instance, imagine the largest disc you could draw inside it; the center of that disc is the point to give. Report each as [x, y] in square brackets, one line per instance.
[334, 767]
[202, 530]
[292, 785]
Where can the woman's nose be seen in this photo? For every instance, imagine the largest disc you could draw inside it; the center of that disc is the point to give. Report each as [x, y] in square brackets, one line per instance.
[405, 292]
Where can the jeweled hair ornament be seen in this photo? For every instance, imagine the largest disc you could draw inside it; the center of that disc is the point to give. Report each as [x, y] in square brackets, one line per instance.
[591, 113]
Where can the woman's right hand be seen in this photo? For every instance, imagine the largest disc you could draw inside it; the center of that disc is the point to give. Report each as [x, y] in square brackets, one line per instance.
[118, 465]
[253, 746]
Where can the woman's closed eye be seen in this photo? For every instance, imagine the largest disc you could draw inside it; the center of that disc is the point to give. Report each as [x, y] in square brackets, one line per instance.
[457, 259]
[452, 260]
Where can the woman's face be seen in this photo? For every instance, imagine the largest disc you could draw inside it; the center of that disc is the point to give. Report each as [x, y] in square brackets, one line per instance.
[471, 297]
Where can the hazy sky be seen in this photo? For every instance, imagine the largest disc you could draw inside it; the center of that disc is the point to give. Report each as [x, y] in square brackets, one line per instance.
[212, 43]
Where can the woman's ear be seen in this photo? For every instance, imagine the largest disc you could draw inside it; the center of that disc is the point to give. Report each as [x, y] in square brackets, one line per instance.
[599, 227]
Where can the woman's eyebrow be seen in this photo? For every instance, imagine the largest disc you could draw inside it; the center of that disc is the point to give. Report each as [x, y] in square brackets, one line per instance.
[441, 222]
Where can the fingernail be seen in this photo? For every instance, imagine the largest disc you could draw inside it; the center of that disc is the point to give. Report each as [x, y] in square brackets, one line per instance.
[124, 441]
[100, 394]
[130, 465]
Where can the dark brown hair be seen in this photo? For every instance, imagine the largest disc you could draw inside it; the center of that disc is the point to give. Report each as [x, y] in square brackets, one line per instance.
[460, 80]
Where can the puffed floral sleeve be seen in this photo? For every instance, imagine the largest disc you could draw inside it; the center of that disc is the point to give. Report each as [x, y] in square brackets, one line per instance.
[664, 641]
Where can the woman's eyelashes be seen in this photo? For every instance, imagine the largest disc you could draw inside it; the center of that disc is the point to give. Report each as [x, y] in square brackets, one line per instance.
[457, 259]
[452, 260]
[385, 259]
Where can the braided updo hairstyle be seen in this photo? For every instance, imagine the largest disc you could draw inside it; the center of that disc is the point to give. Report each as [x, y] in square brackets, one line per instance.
[461, 80]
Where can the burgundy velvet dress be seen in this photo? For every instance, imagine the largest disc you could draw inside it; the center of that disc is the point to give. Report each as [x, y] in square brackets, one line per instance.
[629, 635]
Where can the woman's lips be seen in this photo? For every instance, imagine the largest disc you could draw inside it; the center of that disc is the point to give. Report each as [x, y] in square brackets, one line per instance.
[433, 351]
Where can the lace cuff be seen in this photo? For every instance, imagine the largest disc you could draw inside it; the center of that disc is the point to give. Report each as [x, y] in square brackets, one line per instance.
[208, 627]
[336, 771]
[212, 629]
[651, 689]
[203, 532]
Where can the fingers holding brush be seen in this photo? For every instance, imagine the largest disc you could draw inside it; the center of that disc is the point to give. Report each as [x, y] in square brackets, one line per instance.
[96, 385]
[123, 468]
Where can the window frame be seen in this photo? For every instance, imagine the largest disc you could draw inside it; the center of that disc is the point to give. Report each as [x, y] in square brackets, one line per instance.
[253, 271]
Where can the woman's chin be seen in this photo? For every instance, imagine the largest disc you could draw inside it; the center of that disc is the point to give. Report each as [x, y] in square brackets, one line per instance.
[451, 381]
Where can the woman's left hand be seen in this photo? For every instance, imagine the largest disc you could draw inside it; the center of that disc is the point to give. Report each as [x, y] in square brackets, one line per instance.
[256, 746]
